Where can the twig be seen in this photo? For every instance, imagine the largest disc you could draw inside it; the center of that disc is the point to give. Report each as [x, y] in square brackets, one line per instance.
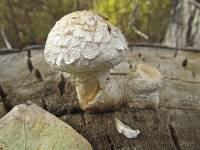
[139, 32]
[131, 23]
[7, 43]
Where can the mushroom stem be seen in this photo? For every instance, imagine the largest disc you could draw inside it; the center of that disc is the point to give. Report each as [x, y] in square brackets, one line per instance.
[98, 91]
[101, 91]
[87, 86]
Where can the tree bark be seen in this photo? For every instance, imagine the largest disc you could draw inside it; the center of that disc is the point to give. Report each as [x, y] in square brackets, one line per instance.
[184, 25]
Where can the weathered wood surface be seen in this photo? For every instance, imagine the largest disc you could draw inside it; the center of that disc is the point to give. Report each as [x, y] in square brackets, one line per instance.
[175, 125]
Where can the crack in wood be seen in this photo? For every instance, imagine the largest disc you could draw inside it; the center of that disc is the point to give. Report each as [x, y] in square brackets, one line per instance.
[185, 62]
[68, 110]
[118, 74]
[110, 142]
[44, 104]
[179, 108]
[74, 110]
[6, 51]
[60, 113]
[6, 102]
[180, 80]
[29, 53]
[30, 65]
[174, 137]
[83, 119]
[61, 85]
[38, 75]
[189, 39]
[157, 46]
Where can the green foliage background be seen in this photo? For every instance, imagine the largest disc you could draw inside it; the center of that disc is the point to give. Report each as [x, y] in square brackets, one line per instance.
[28, 21]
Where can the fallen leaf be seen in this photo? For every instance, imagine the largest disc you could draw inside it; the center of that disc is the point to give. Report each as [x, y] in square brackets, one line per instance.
[28, 127]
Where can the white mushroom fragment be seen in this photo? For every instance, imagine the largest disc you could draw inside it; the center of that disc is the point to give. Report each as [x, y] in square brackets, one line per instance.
[126, 130]
[142, 87]
[87, 46]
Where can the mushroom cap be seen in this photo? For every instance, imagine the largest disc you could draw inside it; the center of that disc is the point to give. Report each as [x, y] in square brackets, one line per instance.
[83, 41]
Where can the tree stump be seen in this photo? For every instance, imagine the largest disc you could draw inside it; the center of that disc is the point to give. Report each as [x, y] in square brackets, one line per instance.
[24, 76]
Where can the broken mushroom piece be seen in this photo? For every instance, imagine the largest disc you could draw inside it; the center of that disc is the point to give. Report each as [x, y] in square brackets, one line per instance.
[142, 87]
[126, 130]
[87, 46]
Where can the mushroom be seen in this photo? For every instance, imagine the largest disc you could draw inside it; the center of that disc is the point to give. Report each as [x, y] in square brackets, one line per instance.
[142, 86]
[87, 46]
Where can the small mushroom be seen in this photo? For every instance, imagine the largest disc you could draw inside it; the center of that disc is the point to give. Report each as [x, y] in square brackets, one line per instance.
[81, 44]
